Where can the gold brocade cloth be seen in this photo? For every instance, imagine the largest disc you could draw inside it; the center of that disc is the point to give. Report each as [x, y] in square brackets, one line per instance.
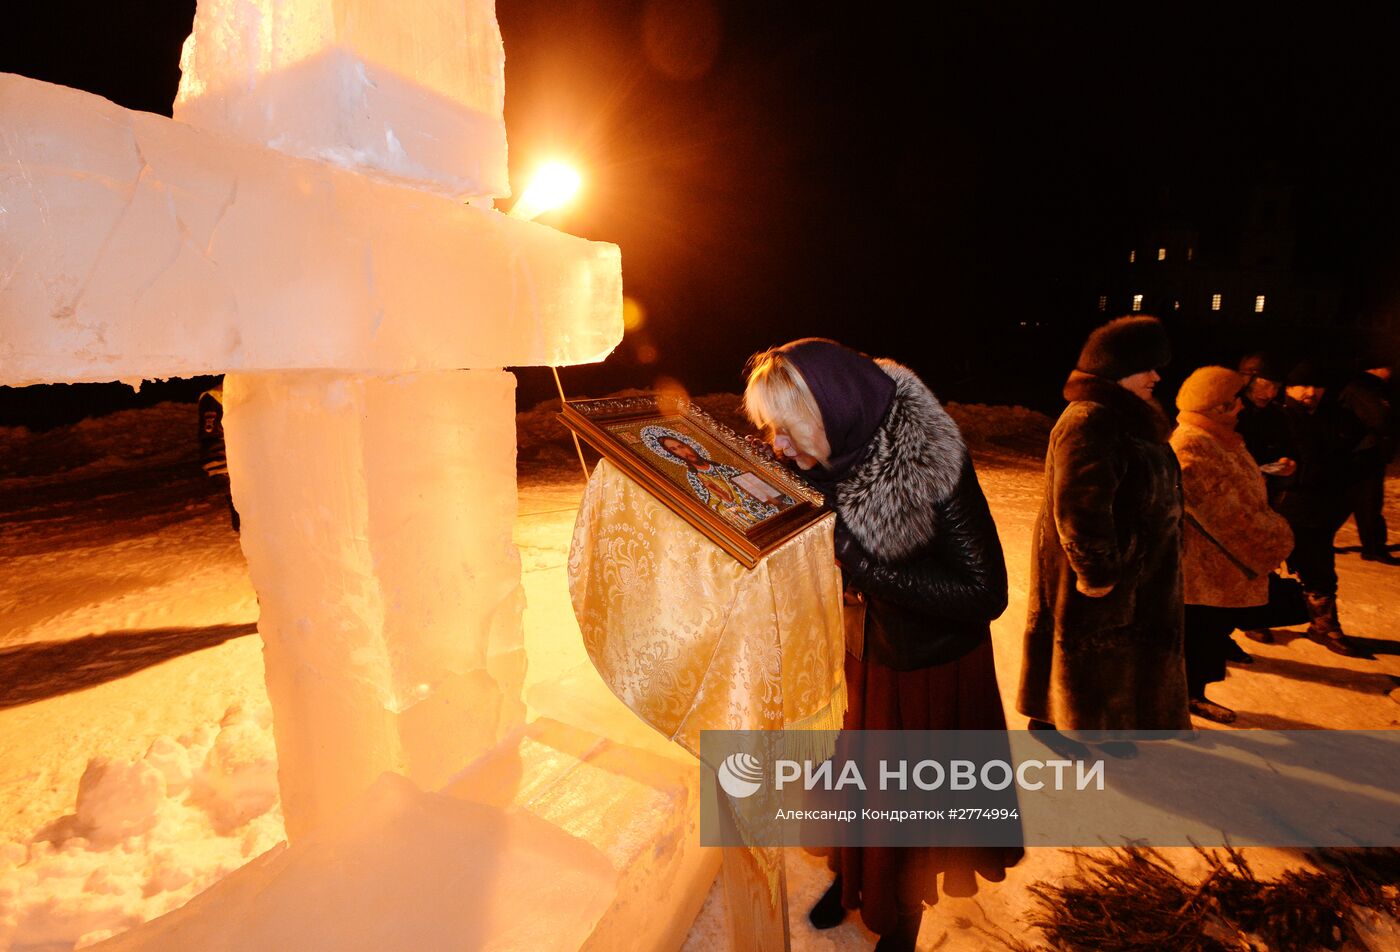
[688, 638]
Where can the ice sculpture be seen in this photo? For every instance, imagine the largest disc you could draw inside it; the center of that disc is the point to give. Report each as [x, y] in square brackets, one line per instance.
[362, 317]
[416, 91]
[503, 860]
[409, 870]
[135, 247]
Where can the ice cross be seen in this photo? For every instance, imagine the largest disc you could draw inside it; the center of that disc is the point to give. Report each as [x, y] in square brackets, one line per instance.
[316, 224]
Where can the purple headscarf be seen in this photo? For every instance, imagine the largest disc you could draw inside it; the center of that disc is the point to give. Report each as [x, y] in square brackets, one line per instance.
[853, 395]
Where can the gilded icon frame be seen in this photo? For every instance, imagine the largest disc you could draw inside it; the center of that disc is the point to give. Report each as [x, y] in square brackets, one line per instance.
[729, 488]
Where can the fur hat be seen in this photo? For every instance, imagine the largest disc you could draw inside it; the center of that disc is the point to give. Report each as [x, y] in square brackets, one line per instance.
[1125, 346]
[1209, 387]
[1261, 365]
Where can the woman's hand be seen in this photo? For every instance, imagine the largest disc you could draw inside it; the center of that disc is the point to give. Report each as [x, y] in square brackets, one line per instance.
[1280, 467]
[1090, 590]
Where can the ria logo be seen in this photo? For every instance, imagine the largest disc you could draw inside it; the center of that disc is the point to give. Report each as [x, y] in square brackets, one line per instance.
[741, 775]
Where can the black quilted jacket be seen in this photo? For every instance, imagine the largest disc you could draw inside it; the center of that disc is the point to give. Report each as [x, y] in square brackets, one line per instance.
[916, 538]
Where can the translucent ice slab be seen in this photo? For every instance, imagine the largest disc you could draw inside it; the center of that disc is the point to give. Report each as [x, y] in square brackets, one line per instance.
[414, 90]
[134, 246]
[377, 515]
[405, 870]
[639, 809]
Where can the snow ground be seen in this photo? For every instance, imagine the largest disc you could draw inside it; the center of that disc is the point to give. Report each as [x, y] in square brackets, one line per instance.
[124, 614]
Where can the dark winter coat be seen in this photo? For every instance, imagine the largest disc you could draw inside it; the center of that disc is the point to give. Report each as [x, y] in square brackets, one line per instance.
[1368, 398]
[1112, 516]
[1321, 441]
[1265, 432]
[916, 538]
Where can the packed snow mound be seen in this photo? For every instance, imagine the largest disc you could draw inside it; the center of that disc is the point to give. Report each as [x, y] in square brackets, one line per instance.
[239, 779]
[172, 759]
[117, 800]
[145, 836]
[991, 429]
[165, 434]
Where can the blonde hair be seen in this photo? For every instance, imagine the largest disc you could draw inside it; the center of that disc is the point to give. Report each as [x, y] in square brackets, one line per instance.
[777, 398]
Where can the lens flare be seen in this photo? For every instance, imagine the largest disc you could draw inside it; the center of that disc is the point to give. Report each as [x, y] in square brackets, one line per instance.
[634, 314]
[554, 185]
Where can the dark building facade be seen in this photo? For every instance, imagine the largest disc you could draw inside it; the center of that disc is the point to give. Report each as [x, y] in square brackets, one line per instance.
[1242, 273]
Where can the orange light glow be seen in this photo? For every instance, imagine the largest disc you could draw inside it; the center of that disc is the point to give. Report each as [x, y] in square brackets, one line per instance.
[634, 313]
[671, 389]
[554, 185]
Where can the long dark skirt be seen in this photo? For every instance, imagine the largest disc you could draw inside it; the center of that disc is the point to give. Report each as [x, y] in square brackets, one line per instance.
[959, 695]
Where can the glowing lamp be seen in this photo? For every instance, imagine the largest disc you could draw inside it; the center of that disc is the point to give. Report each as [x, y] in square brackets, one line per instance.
[553, 186]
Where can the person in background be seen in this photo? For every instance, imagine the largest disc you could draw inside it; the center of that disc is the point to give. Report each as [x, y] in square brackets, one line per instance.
[212, 455]
[916, 541]
[1103, 643]
[1232, 539]
[1315, 497]
[1264, 427]
[1262, 423]
[1367, 397]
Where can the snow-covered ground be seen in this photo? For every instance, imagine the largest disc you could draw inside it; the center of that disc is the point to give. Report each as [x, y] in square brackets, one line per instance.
[136, 762]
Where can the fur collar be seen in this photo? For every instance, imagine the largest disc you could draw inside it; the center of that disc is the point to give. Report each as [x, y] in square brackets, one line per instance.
[915, 462]
[1222, 434]
[1143, 419]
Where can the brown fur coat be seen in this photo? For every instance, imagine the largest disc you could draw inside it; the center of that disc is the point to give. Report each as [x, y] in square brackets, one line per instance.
[1112, 516]
[1225, 493]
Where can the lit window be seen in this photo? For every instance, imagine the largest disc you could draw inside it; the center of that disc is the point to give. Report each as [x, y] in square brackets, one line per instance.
[1103, 302]
[1259, 304]
[1215, 302]
[1190, 254]
[1176, 305]
[1137, 302]
[1132, 256]
[1161, 254]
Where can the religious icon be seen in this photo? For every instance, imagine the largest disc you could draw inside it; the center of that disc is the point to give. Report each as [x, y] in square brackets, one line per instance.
[740, 497]
[719, 483]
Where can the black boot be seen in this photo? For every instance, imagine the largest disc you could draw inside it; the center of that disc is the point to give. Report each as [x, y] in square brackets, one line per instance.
[828, 912]
[1212, 711]
[1325, 628]
[1233, 652]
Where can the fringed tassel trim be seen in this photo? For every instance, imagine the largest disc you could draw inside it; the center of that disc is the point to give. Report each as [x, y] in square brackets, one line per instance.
[814, 736]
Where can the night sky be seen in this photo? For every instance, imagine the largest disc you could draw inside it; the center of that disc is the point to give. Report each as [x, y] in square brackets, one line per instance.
[774, 169]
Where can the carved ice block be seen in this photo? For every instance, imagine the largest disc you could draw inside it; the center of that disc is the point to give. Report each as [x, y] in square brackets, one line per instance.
[639, 809]
[377, 515]
[408, 870]
[133, 246]
[413, 90]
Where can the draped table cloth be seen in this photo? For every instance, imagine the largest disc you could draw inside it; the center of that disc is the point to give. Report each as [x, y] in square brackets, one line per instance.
[690, 640]
[687, 637]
